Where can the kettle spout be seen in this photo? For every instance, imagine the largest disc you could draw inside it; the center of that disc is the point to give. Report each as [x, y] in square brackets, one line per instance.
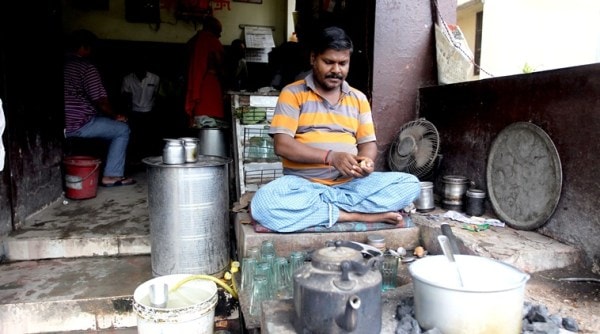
[347, 321]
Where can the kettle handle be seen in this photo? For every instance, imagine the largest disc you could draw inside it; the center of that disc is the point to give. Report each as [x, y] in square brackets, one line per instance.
[356, 267]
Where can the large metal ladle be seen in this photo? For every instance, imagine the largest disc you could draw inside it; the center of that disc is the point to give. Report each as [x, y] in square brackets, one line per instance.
[445, 244]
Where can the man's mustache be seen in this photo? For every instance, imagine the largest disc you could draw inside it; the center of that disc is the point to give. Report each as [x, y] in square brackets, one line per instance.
[334, 76]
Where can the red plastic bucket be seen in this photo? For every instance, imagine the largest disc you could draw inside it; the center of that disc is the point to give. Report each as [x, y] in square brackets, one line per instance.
[81, 176]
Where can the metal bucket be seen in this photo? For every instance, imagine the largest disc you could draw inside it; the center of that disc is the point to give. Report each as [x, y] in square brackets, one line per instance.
[213, 141]
[189, 216]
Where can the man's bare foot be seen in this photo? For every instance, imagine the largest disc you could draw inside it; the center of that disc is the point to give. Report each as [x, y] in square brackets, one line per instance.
[385, 217]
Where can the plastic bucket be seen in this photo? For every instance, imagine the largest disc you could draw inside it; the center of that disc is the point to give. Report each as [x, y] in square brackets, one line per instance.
[489, 300]
[81, 176]
[190, 307]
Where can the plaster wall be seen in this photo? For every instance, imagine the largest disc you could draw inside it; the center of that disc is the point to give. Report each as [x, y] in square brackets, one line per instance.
[403, 61]
[111, 24]
[542, 34]
[31, 91]
[565, 103]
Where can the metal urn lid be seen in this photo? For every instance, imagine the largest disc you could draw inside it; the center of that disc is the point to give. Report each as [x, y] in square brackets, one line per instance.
[330, 258]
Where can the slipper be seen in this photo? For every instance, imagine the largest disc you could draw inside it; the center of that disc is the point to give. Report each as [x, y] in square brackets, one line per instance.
[122, 182]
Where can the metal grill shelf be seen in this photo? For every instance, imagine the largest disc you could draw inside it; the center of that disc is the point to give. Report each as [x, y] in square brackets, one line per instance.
[258, 146]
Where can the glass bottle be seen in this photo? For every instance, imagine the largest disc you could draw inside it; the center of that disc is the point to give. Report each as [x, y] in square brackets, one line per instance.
[265, 269]
[267, 247]
[260, 293]
[248, 269]
[297, 259]
[253, 252]
[281, 277]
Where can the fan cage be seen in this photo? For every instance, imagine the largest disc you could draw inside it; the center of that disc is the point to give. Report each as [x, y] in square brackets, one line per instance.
[408, 163]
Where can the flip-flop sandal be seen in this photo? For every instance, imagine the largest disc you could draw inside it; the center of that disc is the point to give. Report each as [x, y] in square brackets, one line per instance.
[122, 182]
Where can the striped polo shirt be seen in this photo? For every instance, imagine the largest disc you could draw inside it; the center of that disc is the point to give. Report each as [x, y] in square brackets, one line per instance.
[303, 114]
[82, 86]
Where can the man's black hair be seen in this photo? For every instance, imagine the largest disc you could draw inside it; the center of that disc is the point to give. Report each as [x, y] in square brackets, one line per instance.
[331, 38]
[81, 38]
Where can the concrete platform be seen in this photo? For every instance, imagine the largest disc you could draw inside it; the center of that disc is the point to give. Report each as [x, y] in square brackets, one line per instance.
[285, 243]
[526, 250]
[113, 223]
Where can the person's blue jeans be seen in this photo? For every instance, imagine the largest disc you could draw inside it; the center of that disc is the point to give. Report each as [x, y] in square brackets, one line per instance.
[116, 133]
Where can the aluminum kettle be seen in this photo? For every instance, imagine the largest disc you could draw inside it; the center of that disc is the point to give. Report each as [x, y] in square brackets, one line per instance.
[338, 292]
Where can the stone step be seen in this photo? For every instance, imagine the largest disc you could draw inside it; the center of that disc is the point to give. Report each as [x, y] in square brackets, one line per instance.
[114, 223]
[61, 295]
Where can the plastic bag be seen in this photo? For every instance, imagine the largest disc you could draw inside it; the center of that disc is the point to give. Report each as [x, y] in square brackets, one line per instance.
[454, 58]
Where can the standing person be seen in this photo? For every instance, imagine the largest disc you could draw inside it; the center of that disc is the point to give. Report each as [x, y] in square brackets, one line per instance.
[139, 90]
[205, 71]
[88, 112]
[237, 69]
[323, 131]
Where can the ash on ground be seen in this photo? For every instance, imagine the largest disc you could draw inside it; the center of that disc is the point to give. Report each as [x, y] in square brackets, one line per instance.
[536, 320]
[226, 304]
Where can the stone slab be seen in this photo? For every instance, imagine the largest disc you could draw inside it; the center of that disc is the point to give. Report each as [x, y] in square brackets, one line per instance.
[526, 250]
[285, 243]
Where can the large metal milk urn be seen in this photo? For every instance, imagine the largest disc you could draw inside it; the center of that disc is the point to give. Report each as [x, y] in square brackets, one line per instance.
[188, 206]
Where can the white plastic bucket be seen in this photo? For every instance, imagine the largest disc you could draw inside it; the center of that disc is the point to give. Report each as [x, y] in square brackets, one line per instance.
[190, 308]
[490, 299]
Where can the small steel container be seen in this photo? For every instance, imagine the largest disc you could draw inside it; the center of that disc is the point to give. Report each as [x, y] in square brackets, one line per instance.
[190, 145]
[475, 202]
[173, 152]
[425, 203]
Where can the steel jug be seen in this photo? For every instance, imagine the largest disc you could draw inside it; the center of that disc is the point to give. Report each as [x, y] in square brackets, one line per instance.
[190, 146]
[173, 152]
[338, 292]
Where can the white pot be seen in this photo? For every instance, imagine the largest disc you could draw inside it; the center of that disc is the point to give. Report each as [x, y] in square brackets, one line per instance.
[489, 301]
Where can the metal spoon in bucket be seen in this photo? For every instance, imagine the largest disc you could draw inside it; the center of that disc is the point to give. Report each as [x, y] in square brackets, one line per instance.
[445, 244]
[159, 295]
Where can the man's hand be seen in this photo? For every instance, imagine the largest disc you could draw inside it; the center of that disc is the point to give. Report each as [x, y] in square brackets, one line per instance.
[366, 165]
[350, 165]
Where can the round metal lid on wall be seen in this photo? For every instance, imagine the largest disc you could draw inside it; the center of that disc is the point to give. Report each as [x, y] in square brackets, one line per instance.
[524, 176]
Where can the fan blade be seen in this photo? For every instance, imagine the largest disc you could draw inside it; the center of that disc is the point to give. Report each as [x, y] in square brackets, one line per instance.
[416, 131]
[424, 153]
